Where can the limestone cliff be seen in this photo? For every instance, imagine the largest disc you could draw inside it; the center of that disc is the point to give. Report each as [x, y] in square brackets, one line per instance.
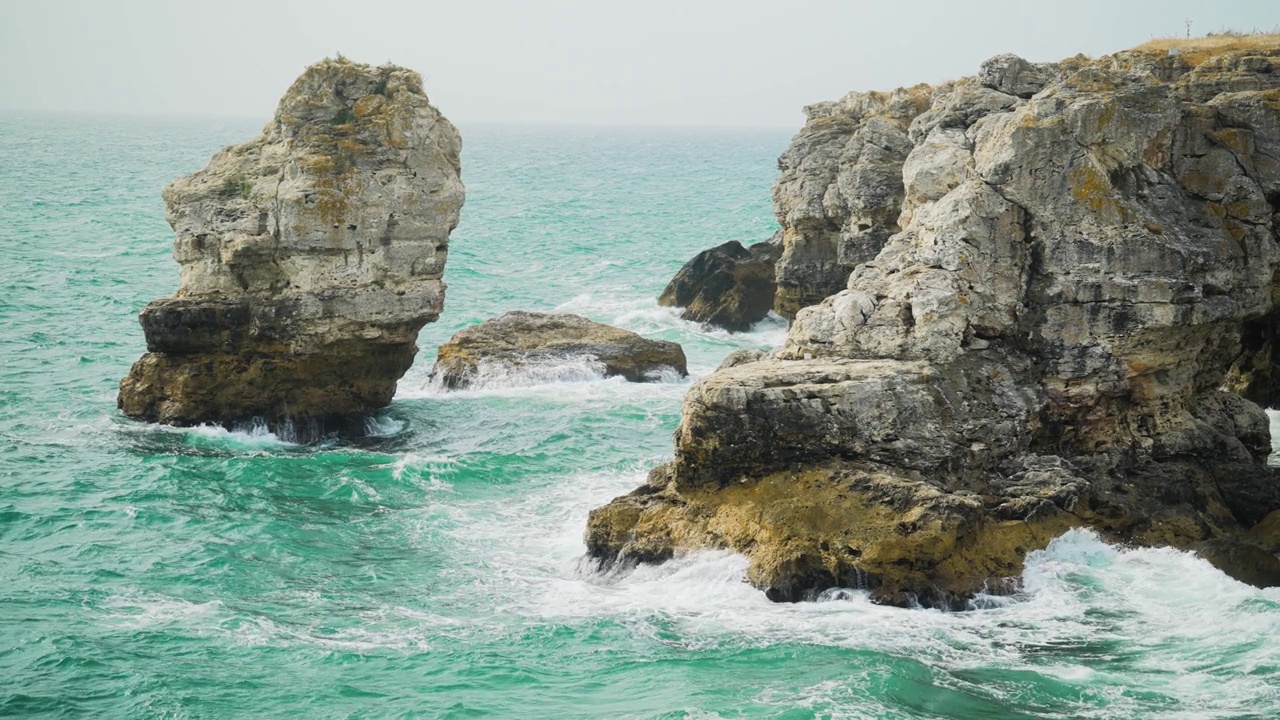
[309, 258]
[840, 191]
[1081, 287]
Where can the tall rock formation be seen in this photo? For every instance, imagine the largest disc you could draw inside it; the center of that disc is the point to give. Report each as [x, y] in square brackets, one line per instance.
[1064, 333]
[840, 191]
[309, 258]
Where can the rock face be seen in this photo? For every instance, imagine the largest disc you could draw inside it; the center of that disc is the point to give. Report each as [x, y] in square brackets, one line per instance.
[728, 286]
[309, 257]
[527, 340]
[1063, 333]
[840, 191]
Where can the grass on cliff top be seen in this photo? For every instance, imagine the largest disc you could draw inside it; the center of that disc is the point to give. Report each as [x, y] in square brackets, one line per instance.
[1228, 41]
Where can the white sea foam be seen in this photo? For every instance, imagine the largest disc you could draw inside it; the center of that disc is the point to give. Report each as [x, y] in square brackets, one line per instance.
[571, 380]
[1107, 619]
[140, 612]
[646, 317]
[498, 375]
[255, 437]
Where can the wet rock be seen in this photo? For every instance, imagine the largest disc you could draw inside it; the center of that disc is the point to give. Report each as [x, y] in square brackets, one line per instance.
[522, 339]
[729, 286]
[309, 258]
[1243, 561]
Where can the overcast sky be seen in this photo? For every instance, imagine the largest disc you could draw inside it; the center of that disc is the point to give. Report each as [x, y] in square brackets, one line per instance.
[654, 62]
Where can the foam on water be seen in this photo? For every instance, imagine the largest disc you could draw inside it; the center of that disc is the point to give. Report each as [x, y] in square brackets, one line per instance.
[644, 316]
[1110, 621]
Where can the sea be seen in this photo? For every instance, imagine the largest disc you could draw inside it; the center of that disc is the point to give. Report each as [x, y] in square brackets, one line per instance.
[435, 568]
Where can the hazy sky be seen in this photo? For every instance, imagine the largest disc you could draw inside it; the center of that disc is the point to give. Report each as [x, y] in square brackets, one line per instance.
[660, 62]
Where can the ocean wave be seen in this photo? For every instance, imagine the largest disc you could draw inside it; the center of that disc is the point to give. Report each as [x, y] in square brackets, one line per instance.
[646, 317]
[1100, 618]
[570, 378]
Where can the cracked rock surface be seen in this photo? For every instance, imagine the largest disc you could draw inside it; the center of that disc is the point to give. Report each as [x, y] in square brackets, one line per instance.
[1068, 321]
[310, 257]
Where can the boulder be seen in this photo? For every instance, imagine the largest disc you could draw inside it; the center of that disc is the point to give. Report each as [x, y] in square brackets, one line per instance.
[519, 340]
[1243, 561]
[309, 258]
[1073, 326]
[728, 286]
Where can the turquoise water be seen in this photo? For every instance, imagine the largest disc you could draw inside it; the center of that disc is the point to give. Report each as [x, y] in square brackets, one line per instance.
[434, 570]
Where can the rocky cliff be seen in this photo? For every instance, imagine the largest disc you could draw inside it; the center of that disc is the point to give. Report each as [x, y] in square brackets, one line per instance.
[1070, 323]
[309, 258]
[840, 191]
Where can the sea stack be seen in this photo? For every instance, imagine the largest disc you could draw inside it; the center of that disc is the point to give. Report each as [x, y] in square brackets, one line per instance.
[310, 257]
[1073, 326]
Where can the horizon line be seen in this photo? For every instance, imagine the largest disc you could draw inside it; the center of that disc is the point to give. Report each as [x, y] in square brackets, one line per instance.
[179, 114]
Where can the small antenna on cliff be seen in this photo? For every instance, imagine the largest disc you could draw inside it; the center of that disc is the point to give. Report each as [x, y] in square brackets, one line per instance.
[1188, 24]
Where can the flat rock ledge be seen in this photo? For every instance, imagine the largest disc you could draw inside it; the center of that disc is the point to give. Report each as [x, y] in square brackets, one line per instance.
[309, 258]
[1064, 317]
[523, 341]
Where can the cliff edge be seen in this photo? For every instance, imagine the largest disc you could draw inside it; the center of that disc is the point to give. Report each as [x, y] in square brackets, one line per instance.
[309, 258]
[1060, 313]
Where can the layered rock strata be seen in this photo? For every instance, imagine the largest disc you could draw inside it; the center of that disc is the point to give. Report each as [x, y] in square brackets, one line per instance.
[1073, 327]
[309, 258]
[539, 343]
[840, 190]
[728, 286]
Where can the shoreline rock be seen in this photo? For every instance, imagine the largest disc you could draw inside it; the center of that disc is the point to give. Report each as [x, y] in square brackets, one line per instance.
[309, 258]
[728, 286]
[520, 340]
[840, 190]
[1062, 333]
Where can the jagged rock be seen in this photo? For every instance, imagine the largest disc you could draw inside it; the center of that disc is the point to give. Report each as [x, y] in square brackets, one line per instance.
[520, 339]
[309, 258]
[1060, 335]
[729, 286]
[1012, 75]
[840, 191]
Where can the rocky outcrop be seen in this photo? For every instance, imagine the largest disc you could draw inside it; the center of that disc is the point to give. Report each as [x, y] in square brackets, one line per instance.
[728, 286]
[531, 342]
[309, 258]
[1073, 327]
[840, 191]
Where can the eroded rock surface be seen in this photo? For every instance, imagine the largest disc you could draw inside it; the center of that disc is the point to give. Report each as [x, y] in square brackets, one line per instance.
[839, 194]
[537, 342]
[309, 258]
[1070, 326]
[729, 286]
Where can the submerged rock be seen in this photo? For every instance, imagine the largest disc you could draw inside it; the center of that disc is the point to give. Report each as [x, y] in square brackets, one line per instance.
[309, 258]
[521, 340]
[729, 286]
[1072, 327]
